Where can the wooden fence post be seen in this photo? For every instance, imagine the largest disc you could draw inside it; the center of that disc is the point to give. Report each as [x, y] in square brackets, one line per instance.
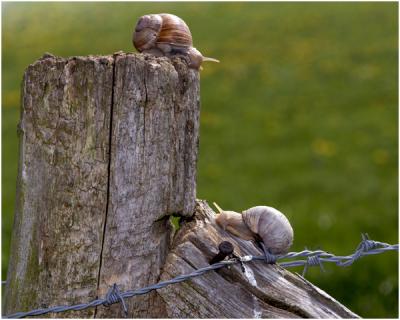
[108, 150]
[85, 219]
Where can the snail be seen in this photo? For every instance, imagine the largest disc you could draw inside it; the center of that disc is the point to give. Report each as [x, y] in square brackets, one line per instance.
[267, 226]
[167, 35]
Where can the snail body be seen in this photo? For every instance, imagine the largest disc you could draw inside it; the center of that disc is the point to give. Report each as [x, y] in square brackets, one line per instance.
[167, 35]
[261, 223]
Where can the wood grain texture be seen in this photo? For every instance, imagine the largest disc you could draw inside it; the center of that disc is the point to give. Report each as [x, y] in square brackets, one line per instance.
[153, 173]
[108, 150]
[264, 291]
[62, 183]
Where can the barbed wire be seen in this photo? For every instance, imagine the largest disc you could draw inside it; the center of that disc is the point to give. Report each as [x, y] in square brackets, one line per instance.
[314, 258]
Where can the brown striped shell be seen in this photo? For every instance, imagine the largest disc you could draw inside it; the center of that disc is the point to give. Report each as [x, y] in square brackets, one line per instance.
[174, 30]
[272, 226]
[154, 30]
[167, 35]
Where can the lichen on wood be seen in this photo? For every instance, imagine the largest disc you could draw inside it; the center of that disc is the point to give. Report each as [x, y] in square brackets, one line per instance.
[62, 182]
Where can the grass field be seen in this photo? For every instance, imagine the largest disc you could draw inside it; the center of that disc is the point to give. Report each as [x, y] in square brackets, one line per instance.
[301, 114]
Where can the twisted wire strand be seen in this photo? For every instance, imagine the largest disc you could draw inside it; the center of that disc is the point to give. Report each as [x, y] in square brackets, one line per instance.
[126, 294]
[313, 258]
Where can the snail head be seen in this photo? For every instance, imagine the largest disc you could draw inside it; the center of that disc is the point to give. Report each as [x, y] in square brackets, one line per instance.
[196, 58]
[233, 222]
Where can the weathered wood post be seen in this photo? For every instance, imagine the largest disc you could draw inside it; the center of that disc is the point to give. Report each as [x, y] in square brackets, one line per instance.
[108, 150]
[86, 219]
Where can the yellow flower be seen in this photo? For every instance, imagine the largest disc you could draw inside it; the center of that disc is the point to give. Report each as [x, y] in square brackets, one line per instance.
[323, 147]
[380, 156]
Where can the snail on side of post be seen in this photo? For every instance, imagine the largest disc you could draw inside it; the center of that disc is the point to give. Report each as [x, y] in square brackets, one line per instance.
[266, 226]
[167, 35]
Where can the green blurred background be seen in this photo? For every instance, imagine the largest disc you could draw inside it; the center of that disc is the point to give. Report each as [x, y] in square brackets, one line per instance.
[301, 114]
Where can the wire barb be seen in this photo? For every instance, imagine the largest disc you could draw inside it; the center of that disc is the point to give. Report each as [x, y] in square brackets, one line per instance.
[312, 261]
[114, 296]
[270, 258]
[365, 246]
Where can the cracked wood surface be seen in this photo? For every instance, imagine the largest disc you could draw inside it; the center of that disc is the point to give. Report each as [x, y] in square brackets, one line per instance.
[62, 183]
[264, 291]
[153, 174]
[108, 148]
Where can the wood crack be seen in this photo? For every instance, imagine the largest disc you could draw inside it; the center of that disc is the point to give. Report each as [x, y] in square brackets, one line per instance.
[108, 178]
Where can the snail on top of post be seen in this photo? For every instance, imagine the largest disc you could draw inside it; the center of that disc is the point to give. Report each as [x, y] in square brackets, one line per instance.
[167, 35]
[266, 226]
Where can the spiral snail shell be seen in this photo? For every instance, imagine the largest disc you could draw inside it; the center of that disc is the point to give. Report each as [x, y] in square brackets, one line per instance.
[259, 223]
[165, 34]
